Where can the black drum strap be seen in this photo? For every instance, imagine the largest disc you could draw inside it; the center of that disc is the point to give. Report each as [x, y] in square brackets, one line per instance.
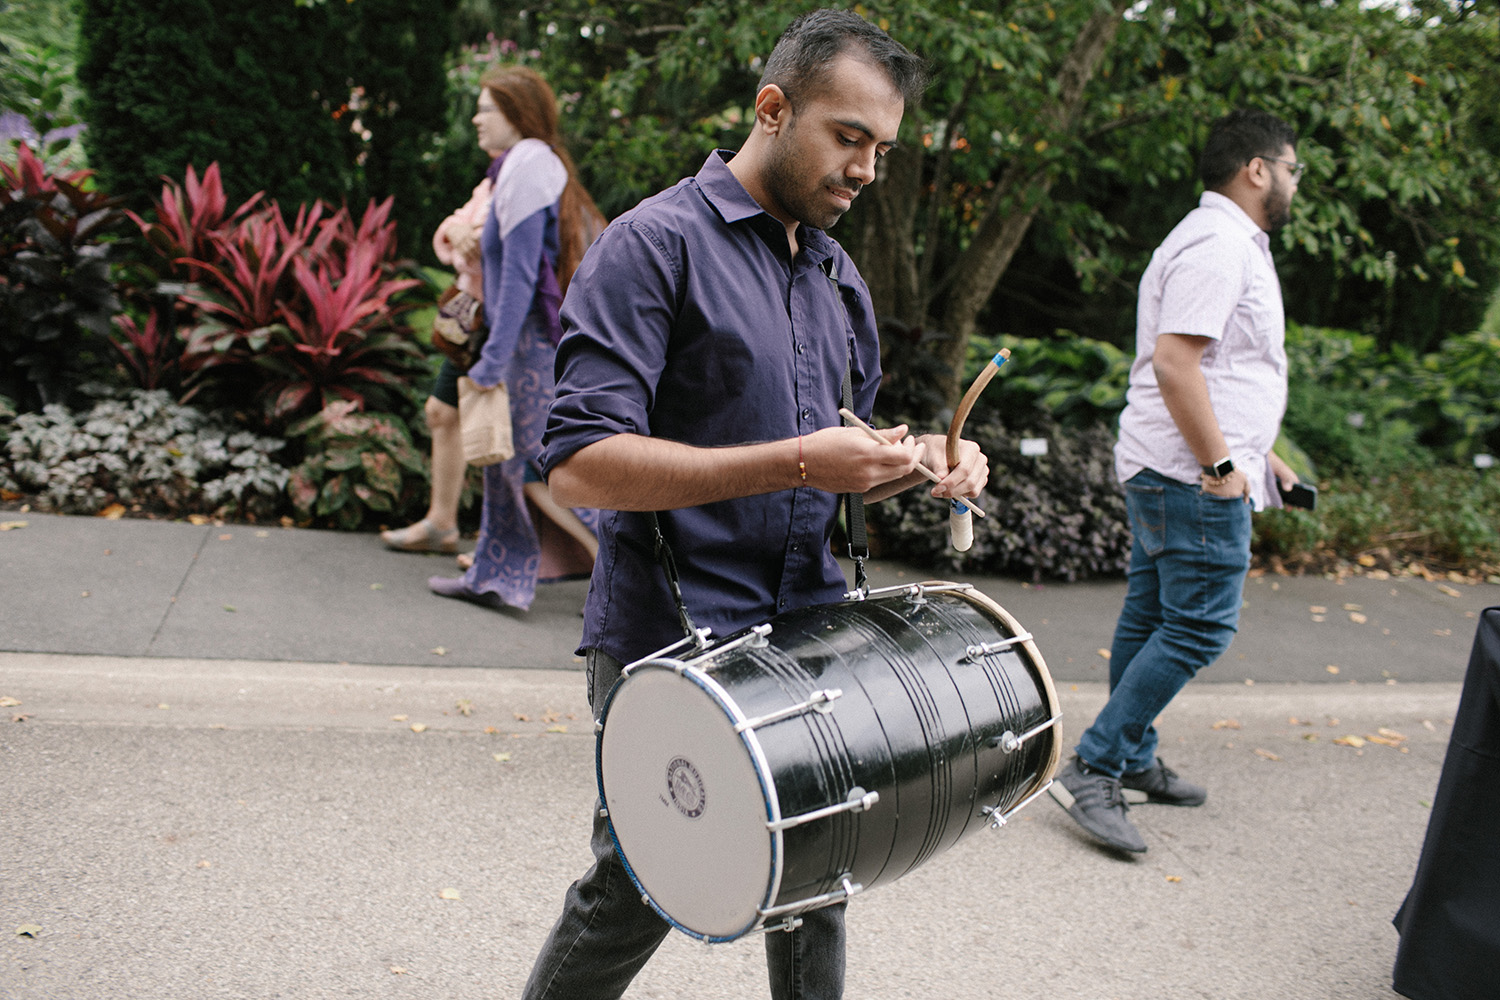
[669, 566]
[854, 503]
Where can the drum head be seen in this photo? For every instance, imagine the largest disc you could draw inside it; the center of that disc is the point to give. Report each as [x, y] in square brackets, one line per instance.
[689, 800]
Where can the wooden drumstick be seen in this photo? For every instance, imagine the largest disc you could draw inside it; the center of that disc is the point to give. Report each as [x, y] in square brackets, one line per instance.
[960, 524]
[924, 470]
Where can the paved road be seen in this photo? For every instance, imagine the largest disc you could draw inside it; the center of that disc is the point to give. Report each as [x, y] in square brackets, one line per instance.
[211, 803]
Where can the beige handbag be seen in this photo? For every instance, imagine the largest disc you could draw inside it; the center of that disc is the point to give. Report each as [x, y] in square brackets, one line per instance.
[484, 422]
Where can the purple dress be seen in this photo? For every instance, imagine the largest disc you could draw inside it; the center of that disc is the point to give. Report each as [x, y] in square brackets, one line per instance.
[518, 546]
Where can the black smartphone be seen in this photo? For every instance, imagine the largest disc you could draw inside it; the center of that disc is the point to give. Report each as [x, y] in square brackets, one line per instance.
[1304, 495]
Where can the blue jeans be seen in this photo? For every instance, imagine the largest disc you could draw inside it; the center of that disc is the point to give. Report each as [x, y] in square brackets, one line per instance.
[1190, 551]
[606, 933]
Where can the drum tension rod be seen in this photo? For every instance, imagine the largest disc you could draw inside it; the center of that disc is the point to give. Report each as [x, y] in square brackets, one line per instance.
[698, 641]
[998, 819]
[858, 800]
[820, 701]
[1009, 742]
[985, 649]
[789, 924]
[849, 888]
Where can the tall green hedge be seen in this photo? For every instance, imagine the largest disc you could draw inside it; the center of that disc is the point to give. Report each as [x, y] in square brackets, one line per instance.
[334, 101]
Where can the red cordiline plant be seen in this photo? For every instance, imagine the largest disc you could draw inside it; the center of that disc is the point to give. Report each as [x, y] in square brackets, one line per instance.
[278, 316]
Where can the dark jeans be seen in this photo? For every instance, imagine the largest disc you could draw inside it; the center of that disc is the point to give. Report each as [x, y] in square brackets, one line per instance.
[606, 933]
[1190, 551]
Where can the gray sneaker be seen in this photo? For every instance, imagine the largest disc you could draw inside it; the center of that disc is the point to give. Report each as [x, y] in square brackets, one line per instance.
[1095, 802]
[1159, 783]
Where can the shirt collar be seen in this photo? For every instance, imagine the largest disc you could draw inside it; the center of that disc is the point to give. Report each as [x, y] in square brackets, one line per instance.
[729, 198]
[1215, 200]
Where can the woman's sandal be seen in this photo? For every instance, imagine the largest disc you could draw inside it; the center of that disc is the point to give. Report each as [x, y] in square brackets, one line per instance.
[421, 537]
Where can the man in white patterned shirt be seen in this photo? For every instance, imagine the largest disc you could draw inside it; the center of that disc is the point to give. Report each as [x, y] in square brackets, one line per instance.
[1207, 392]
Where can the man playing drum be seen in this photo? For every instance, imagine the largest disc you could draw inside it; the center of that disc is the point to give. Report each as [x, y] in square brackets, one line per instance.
[707, 338]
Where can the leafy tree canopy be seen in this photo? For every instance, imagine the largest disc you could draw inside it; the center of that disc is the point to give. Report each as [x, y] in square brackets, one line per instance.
[1058, 142]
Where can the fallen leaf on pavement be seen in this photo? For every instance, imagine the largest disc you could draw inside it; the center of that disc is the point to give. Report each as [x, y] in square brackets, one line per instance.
[1331, 669]
[1357, 618]
[397, 970]
[418, 727]
[1227, 724]
[230, 607]
[440, 650]
[557, 729]
[1104, 653]
[1174, 878]
[9, 702]
[1449, 590]
[490, 730]
[521, 717]
[1268, 755]
[1350, 741]
[1318, 609]
[449, 894]
[113, 512]
[11, 525]
[501, 757]
[198, 519]
[1353, 607]
[399, 718]
[28, 930]
[465, 707]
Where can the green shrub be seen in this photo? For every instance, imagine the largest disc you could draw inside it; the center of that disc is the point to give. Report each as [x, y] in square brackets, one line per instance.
[359, 468]
[1055, 516]
[333, 101]
[1445, 516]
[1359, 411]
[141, 449]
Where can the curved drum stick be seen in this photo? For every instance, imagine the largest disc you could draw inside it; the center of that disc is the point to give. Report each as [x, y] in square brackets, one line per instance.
[962, 503]
[960, 524]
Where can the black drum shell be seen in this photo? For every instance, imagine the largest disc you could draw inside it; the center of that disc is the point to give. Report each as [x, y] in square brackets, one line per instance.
[920, 720]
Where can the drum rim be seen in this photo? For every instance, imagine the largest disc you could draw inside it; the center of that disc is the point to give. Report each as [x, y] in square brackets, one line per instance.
[758, 762]
[974, 595]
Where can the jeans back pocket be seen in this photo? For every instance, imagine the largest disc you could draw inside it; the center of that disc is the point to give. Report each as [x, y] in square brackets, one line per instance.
[1146, 505]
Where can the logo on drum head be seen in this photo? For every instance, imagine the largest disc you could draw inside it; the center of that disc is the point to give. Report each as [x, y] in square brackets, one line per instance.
[685, 786]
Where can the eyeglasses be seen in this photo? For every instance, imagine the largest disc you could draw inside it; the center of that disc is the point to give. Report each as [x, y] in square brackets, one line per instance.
[1296, 168]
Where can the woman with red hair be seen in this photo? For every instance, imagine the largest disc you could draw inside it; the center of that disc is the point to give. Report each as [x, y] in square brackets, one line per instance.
[527, 228]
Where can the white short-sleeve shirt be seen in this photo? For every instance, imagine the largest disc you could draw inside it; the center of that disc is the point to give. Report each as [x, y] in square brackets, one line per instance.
[1211, 277]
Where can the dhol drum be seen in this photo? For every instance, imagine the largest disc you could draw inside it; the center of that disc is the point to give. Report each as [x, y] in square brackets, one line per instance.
[831, 749]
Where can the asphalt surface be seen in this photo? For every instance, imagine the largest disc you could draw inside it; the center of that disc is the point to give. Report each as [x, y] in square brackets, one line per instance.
[251, 762]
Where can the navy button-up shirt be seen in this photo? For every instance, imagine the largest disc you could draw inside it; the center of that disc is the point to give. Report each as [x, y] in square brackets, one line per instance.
[689, 320]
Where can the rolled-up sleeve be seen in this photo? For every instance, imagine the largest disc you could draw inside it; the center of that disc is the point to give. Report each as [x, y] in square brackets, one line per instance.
[617, 320]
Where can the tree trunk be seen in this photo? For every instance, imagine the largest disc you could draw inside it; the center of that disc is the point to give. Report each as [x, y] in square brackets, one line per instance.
[1020, 193]
[884, 223]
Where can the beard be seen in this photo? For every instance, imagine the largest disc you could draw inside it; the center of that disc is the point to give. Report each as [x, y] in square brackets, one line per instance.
[785, 179]
[1278, 205]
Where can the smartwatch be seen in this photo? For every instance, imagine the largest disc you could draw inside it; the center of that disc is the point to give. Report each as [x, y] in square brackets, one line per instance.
[1219, 469]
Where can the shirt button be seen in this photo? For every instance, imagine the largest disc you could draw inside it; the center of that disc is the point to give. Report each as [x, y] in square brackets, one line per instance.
[800, 347]
[807, 414]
